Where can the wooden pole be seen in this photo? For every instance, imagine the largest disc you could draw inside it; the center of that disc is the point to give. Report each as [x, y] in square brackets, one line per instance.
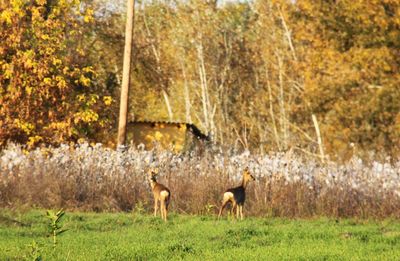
[123, 109]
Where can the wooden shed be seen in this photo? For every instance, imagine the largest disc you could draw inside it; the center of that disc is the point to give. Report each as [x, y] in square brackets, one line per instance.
[169, 135]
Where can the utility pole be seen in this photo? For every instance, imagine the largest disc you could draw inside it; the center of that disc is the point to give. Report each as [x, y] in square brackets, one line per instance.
[123, 108]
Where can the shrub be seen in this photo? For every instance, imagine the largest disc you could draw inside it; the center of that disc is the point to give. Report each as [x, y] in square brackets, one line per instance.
[96, 178]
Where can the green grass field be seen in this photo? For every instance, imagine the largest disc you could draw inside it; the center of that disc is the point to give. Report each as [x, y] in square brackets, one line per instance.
[124, 236]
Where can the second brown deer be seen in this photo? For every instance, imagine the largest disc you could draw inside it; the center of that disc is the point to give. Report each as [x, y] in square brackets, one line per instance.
[161, 194]
[237, 196]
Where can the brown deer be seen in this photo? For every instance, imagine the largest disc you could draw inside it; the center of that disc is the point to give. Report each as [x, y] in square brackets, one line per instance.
[236, 196]
[161, 193]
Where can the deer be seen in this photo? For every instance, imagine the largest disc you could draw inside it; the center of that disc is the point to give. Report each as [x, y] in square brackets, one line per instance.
[236, 196]
[161, 194]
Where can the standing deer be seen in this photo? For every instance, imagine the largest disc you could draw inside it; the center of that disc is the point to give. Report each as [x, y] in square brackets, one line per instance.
[161, 193]
[236, 196]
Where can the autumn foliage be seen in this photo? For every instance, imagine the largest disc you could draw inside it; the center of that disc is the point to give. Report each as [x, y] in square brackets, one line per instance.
[252, 74]
[350, 66]
[47, 90]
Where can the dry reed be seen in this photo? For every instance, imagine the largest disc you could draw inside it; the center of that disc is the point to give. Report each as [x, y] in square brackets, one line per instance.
[95, 178]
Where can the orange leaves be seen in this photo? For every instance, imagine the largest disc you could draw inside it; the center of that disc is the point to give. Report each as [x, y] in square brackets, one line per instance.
[350, 61]
[40, 74]
[41, 2]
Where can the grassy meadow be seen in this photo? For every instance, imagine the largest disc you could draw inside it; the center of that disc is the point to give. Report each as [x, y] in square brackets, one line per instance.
[314, 211]
[128, 236]
[302, 94]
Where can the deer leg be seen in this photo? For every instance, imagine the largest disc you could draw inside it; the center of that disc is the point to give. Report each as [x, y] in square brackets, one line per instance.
[165, 213]
[237, 211]
[155, 207]
[222, 208]
[163, 210]
[241, 212]
[166, 209]
[234, 207]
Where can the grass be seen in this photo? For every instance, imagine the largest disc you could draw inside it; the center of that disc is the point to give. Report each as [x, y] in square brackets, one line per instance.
[125, 236]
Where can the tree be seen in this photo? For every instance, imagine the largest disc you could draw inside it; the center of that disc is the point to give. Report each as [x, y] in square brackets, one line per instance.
[349, 57]
[46, 84]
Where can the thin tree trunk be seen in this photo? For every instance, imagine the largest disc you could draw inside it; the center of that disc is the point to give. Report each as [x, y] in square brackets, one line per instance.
[288, 34]
[271, 112]
[123, 110]
[283, 119]
[203, 92]
[188, 105]
[170, 115]
[159, 69]
[316, 126]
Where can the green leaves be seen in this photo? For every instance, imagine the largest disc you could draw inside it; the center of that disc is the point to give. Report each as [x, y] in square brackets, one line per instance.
[35, 252]
[55, 225]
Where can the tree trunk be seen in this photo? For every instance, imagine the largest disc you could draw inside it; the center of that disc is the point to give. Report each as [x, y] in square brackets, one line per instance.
[320, 145]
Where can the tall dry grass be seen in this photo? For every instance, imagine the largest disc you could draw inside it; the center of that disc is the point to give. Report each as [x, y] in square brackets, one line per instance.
[100, 179]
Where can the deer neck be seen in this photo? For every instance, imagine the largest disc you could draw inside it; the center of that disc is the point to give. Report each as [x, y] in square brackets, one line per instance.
[153, 183]
[244, 183]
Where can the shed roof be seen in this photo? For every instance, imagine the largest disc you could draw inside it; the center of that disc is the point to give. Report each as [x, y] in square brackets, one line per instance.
[190, 126]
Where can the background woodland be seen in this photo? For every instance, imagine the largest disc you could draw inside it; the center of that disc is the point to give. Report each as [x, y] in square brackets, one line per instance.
[261, 75]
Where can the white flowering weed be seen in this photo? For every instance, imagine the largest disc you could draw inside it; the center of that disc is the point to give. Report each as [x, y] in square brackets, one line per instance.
[94, 177]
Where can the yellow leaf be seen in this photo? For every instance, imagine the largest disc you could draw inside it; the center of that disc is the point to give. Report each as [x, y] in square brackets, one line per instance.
[107, 100]
[47, 80]
[6, 16]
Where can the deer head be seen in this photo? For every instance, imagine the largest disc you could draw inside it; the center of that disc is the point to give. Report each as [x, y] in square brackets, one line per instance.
[152, 176]
[247, 175]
